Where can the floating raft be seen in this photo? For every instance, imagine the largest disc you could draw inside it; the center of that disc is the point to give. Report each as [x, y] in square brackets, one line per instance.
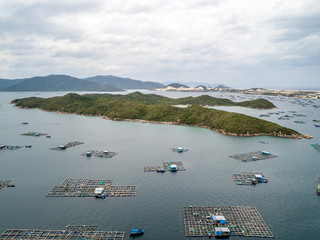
[165, 166]
[82, 227]
[245, 178]
[179, 149]
[179, 165]
[263, 142]
[253, 156]
[34, 134]
[63, 147]
[102, 154]
[316, 147]
[242, 221]
[85, 188]
[9, 147]
[61, 234]
[4, 183]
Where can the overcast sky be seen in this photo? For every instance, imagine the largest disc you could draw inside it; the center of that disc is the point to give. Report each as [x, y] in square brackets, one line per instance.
[240, 43]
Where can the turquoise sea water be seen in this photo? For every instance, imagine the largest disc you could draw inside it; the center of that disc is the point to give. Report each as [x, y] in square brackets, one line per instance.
[288, 203]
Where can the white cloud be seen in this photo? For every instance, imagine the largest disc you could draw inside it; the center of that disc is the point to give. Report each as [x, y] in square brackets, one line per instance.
[193, 40]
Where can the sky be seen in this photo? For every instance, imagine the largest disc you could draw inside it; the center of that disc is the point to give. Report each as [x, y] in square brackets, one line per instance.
[247, 43]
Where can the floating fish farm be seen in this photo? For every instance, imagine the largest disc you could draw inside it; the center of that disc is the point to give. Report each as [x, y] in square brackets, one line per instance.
[82, 227]
[34, 134]
[316, 147]
[71, 232]
[249, 178]
[253, 156]
[4, 183]
[166, 166]
[179, 149]
[241, 221]
[86, 188]
[63, 147]
[101, 154]
[9, 147]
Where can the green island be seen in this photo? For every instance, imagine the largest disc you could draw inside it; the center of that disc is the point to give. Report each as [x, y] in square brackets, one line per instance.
[158, 109]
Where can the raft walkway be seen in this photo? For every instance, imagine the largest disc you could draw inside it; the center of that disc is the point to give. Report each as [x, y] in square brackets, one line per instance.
[70, 233]
[245, 178]
[34, 134]
[10, 147]
[63, 147]
[316, 147]
[241, 220]
[4, 183]
[165, 166]
[253, 156]
[101, 154]
[79, 187]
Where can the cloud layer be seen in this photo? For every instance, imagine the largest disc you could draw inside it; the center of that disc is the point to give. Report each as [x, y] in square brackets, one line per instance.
[244, 43]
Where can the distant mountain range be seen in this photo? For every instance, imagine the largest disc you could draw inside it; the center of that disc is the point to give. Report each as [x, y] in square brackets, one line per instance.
[196, 84]
[124, 83]
[68, 83]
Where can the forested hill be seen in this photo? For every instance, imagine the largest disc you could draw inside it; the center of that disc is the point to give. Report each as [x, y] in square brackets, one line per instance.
[133, 107]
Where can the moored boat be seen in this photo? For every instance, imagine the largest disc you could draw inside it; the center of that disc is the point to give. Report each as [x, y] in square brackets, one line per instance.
[136, 232]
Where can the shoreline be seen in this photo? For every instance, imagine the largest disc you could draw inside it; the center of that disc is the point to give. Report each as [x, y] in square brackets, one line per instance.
[280, 135]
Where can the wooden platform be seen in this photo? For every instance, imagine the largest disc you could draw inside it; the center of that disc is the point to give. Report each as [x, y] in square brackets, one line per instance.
[34, 134]
[245, 178]
[85, 188]
[68, 145]
[179, 165]
[165, 166]
[101, 154]
[82, 227]
[177, 150]
[242, 221]
[37, 234]
[252, 156]
[4, 183]
[10, 147]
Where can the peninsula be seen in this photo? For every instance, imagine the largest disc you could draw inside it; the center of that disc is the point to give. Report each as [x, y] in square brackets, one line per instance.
[159, 109]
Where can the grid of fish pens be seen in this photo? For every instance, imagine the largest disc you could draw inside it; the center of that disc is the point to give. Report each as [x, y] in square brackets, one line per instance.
[82, 227]
[121, 191]
[85, 188]
[252, 156]
[245, 178]
[241, 220]
[68, 145]
[101, 154]
[4, 183]
[61, 234]
[179, 165]
[316, 147]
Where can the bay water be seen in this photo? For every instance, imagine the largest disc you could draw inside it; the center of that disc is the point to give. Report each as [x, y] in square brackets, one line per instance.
[288, 202]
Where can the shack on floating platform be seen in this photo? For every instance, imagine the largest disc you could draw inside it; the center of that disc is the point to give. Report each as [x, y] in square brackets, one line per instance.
[219, 219]
[179, 149]
[222, 232]
[173, 168]
[99, 193]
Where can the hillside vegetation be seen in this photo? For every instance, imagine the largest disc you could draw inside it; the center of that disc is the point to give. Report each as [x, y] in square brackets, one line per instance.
[204, 100]
[136, 107]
